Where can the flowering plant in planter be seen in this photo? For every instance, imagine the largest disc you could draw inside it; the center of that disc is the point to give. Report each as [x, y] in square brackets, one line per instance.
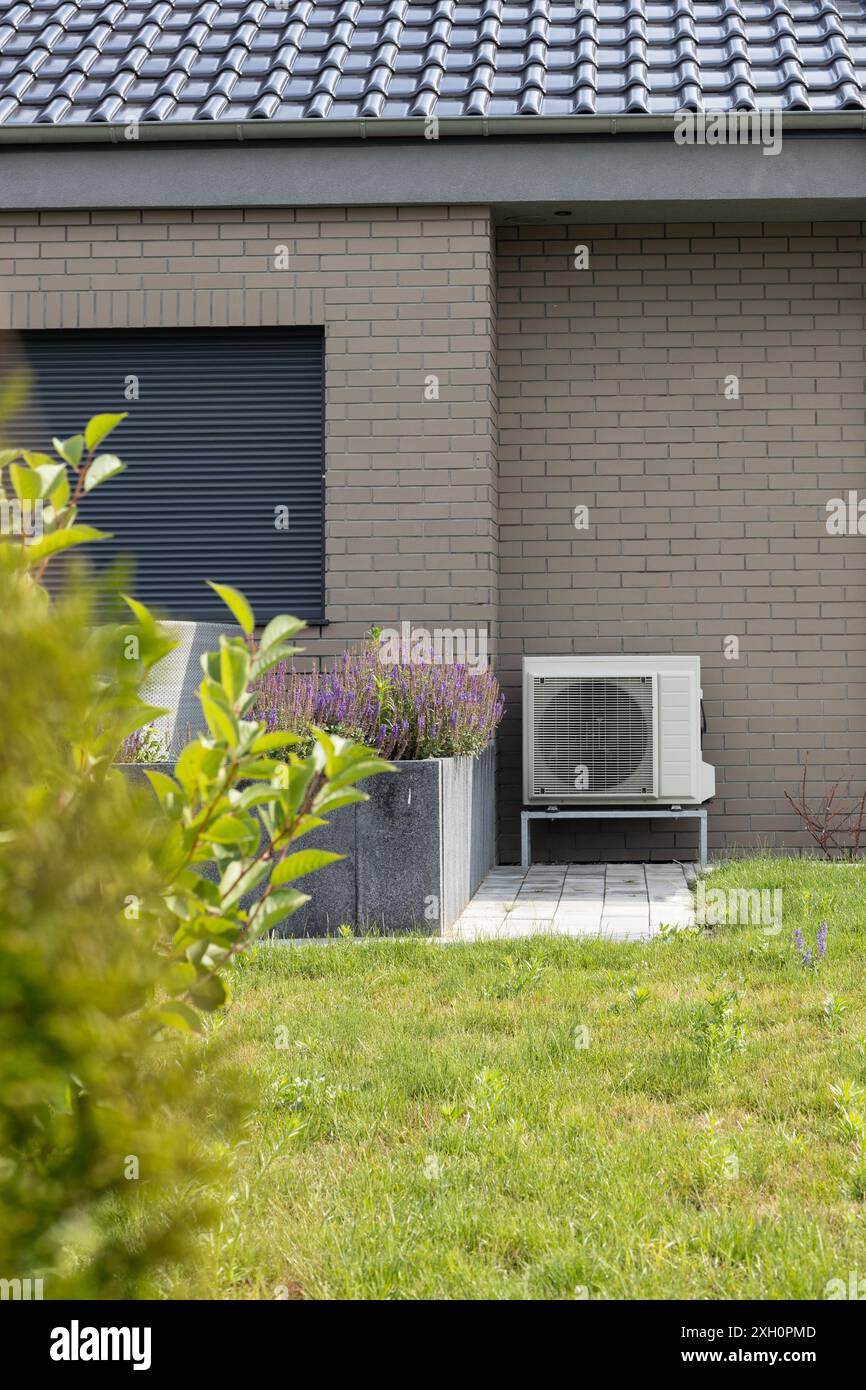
[402, 709]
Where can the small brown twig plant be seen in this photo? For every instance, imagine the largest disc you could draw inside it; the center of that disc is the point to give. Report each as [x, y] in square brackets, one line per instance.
[835, 822]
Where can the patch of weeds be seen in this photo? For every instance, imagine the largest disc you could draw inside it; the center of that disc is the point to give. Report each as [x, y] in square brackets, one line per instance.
[848, 1100]
[794, 1141]
[858, 1175]
[718, 1028]
[550, 1047]
[520, 974]
[637, 995]
[766, 952]
[717, 1161]
[818, 904]
[833, 1011]
[482, 1106]
[675, 932]
[310, 1103]
[239, 1204]
[244, 959]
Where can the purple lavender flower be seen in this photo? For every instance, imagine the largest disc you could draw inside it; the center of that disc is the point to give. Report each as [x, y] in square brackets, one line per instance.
[405, 710]
[806, 954]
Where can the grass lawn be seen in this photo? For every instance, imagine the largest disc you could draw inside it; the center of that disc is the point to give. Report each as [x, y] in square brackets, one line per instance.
[548, 1118]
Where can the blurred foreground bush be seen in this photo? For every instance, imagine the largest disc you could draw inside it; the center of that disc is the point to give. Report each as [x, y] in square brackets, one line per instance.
[98, 1109]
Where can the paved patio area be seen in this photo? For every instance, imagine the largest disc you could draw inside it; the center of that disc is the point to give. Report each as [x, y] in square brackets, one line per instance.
[625, 902]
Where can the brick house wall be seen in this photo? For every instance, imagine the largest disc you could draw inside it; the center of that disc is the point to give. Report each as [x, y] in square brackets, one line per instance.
[403, 295]
[706, 515]
[557, 387]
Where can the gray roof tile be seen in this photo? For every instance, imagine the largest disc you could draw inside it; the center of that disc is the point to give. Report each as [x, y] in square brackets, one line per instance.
[85, 61]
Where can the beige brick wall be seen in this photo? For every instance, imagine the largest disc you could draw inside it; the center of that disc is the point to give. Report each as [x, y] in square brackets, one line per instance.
[403, 294]
[707, 515]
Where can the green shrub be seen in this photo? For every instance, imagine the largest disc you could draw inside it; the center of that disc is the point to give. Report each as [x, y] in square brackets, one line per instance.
[121, 913]
[94, 1108]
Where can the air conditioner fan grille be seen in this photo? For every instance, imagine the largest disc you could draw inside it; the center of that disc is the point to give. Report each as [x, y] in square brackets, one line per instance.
[592, 736]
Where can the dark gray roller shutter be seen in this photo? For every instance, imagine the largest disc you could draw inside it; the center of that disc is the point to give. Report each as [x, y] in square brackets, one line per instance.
[228, 429]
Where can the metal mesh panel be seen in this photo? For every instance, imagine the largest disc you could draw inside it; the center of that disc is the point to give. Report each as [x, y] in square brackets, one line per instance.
[592, 736]
[174, 681]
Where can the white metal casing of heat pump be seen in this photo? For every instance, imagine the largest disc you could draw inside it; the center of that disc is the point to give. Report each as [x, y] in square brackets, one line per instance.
[680, 776]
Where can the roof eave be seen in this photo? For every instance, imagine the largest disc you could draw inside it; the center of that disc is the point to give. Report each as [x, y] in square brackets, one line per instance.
[172, 132]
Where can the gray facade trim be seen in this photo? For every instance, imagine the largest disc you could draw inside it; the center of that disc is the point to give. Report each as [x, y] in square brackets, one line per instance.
[358, 128]
[813, 175]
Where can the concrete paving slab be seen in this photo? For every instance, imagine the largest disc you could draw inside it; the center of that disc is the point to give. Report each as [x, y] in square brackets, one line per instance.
[618, 902]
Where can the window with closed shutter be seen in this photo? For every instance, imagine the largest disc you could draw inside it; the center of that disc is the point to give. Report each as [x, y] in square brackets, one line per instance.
[224, 447]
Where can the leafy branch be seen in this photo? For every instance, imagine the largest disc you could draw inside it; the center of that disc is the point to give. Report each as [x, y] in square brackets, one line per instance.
[55, 486]
[236, 809]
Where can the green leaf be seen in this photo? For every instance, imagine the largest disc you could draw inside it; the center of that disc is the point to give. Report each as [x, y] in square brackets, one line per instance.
[36, 460]
[70, 449]
[235, 601]
[62, 540]
[211, 947]
[358, 771]
[196, 761]
[280, 628]
[332, 801]
[234, 667]
[50, 474]
[153, 643]
[273, 909]
[292, 780]
[305, 824]
[145, 618]
[180, 1016]
[306, 861]
[260, 769]
[26, 483]
[8, 456]
[232, 830]
[179, 904]
[100, 427]
[266, 743]
[208, 930]
[271, 656]
[58, 496]
[164, 786]
[325, 742]
[209, 993]
[204, 889]
[255, 796]
[106, 466]
[237, 881]
[179, 977]
[221, 721]
[210, 664]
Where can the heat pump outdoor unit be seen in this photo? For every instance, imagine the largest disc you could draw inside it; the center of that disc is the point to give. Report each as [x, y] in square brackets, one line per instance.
[613, 729]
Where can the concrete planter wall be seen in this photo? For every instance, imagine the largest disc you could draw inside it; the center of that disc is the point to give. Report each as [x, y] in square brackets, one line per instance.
[415, 852]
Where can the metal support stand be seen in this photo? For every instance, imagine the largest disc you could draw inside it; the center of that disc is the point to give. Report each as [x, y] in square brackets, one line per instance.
[697, 813]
